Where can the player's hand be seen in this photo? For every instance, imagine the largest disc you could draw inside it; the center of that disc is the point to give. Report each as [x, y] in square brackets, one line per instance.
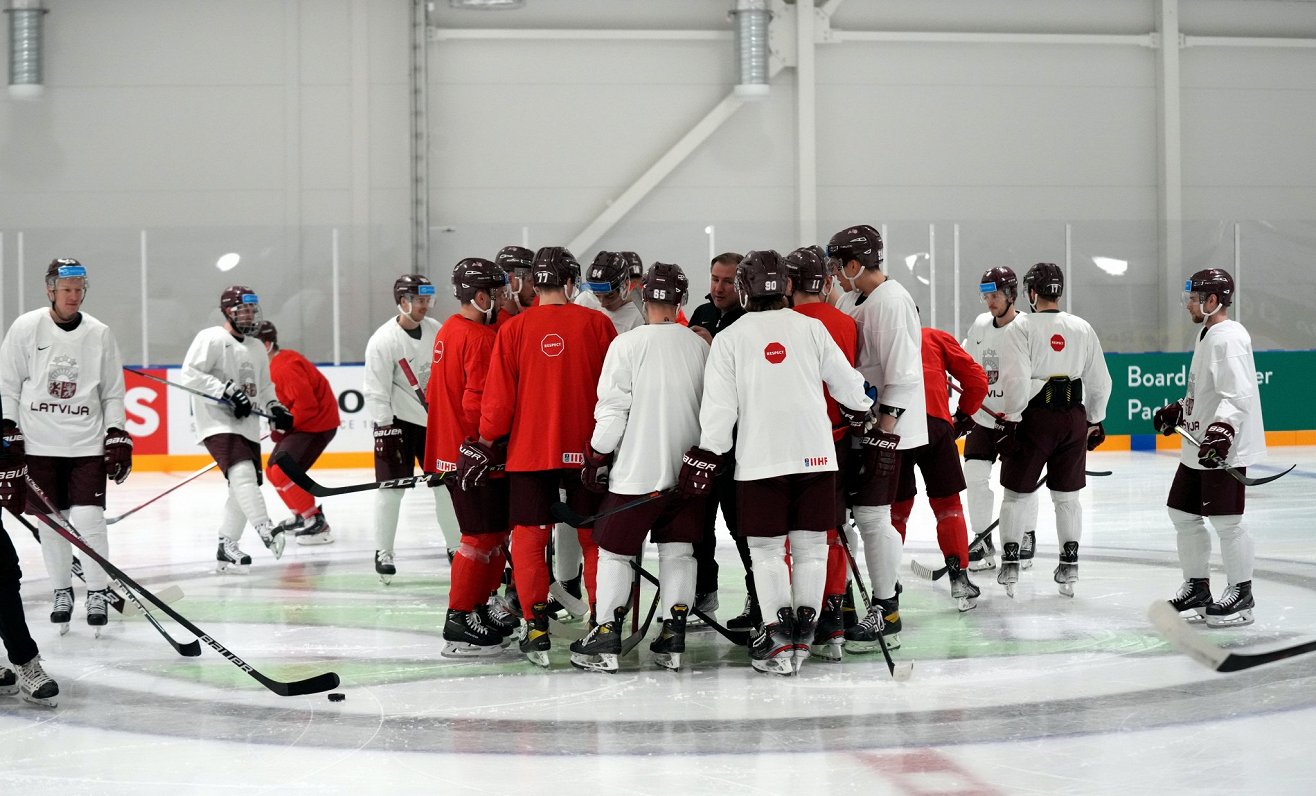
[1096, 435]
[699, 469]
[594, 475]
[1168, 417]
[238, 399]
[703, 333]
[474, 461]
[1215, 445]
[388, 444]
[118, 455]
[1007, 437]
[13, 467]
[854, 418]
[282, 418]
[963, 424]
[878, 451]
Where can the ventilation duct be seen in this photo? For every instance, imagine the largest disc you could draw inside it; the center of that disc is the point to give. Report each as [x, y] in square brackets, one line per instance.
[486, 4]
[750, 18]
[25, 48]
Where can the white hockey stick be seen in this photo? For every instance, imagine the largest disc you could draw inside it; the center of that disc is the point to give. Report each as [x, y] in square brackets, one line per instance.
[1192, 643]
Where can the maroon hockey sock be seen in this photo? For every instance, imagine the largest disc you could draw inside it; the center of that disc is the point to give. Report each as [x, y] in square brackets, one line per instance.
[952, 533]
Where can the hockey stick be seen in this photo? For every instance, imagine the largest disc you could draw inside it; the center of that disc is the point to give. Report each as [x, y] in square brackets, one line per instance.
[1239, 477]
[738, 637]
[184, 482]
[637, 635]
[564, 513]
[186, 388]
[929, 574]
[1001, 417]
[1196, 646]
[299, 476]
[900, 671]
[310, 685]
[413, 381]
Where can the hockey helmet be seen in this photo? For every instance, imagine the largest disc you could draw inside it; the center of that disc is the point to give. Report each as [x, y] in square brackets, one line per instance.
[555, 266]
[1212, 281]
[807, 269]
[241, 308]
[634, 264]
[515, 258]
[761, 274]
[1046, 279]
[609, 273]
[474, 274]
[267, 333]
[666, 283]
[412, 285]
[65, 268]
[862, 243]
[999, 279]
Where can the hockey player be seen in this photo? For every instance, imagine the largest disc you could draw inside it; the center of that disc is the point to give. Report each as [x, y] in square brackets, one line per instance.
[476, 625]
[1222, 410]
[608, 288]
[890, 360]
[997, 341]
[539, 396]
[228, 362]
[516, 262]
[61, 378]
[396, 410]
[306, 393]
[765, 375]
[1052, 424]
[27, 678]
[647, 416]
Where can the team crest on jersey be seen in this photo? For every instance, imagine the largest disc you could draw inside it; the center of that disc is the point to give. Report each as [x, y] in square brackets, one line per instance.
[438, 352]
[247, 378]
[991, 363]
[62, 377]
[1057, 342]
[774, 353]
[552, 345]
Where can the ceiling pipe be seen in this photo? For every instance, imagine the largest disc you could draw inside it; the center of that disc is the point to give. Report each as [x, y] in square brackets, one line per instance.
[25, 48]
[751, 19]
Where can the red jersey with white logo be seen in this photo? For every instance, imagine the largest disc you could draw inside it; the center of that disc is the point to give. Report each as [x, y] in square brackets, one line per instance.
[843, 330]
[1060, 344]
[462, 349]
[541, 388]
[304, 391]
[943, 354]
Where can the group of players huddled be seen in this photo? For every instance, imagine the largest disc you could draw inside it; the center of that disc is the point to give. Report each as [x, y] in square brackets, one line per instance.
[798, 400]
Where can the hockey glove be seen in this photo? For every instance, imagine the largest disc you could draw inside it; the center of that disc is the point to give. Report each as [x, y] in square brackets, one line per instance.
[118, 455]
[878, 451]
[474, 461]
[388, 444]
[855, 419]
[1007, 437]
[13, 467]
[1215, 445]
[238, 399]
[282, 418]
[963, 424]
[594, 475]
[1168, 417]
[1096, 435]
[698, 470]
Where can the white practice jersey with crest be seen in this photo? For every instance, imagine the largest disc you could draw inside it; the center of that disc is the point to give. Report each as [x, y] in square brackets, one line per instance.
[1003, 353]
[1222, 387]
[216, 358]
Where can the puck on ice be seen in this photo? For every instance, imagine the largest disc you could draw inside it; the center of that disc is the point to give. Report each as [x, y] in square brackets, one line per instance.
[337, 697]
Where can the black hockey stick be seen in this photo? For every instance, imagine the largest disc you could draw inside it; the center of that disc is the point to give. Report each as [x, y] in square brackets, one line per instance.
[938, 574]
[311, 685]
[1239, 477]
[299, 476]
[900, 671]
[637, 636]
[564, 513]
[186, 388]
[738, 637]
[1196, 646]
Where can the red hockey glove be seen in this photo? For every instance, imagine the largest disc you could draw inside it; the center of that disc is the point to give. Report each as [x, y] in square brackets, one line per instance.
[13, 467]
[238, 399]
[963, 424]
[878, 451]
[1168, 417]
[1215, 445]
[1096, 435]
[698, 471]
[388, 444]
[118, 455]
[1007, 437]
[474, 461]
[281, 418]
[594, 475]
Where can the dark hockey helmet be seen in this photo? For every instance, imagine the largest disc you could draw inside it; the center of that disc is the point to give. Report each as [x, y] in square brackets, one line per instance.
[666, 283]
[555, 266]
[862, 243]
[515, 258]
[634, 265]
[65, 268]
[241, 307]
[412, 285]
[1212, 281]
[608, 273]
[267, 333]
[999, 279]
[1046, 279]
[807, 269]
[474, 274]
[761, 274]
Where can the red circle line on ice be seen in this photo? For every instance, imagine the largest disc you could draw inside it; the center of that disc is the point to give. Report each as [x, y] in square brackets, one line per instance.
[552, 345]
[774, 352]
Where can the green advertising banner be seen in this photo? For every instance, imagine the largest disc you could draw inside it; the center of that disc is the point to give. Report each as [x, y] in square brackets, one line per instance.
[1145, 382]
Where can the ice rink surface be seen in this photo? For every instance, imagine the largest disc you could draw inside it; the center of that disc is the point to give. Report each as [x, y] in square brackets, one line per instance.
[1036, 694]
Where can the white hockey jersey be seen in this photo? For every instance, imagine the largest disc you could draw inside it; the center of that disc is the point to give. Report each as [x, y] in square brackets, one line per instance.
[891, 357]
[1060, 344]
[387, 392]
[213, 360]
[648, 408]
[1222, 386]
[765, 372]
[626, 317]
[1003, 353]
[63, 389]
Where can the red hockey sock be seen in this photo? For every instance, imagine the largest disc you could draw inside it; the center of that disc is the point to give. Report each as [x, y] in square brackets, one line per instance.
[294, 497]
[952, 533]
[836, 564]
[900, 515]
[529, 542]
[589, 552]
[470, 570]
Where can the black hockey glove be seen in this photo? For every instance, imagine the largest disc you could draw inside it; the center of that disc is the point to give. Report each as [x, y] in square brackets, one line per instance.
[1168, 417]
[13, 467]
[594, 475]
[878, 451]
[854, 418]
[282, 418]
[388, 444]
[698, 470]
[963, 424]
[1096, 435]
[237, 398]
[474, 461]
[1215, 445]
[1007, 437]
[118, 455]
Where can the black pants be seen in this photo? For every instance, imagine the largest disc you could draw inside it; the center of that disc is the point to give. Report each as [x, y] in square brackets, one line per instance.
[724, 495]
[13, 626]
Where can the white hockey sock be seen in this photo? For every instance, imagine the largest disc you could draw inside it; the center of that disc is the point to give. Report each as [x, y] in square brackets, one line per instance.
[1235, 547]
[90, 522]
[446, 516]
[981, 498]
[242, 486]
[1194, 544]
[1069, 516]
[232, 522]
[388, 504]
[767, 555]
[676, 574]
[58, 554]
[1012, 515]
[808, 569]
[566, 552]
[882, 548]
[613, 583]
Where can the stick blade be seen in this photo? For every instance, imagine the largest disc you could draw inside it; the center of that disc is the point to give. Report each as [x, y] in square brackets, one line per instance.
[1173, 629]
[311, 685]
[922, 571]
[191, 649]
[565, 514]
[902, 671]
[1259, 481]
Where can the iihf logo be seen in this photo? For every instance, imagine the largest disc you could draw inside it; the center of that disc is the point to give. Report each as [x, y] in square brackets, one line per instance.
[815, 461]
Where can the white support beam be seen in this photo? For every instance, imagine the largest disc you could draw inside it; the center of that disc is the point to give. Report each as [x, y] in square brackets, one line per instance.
[939, 37]
[806, 112]
[548, 34]
[1169, 183]
[1243, 41]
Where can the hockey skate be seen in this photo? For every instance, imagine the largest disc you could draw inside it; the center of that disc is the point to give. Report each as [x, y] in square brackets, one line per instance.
[314, 529]
[772, 647]
[1234, 608]
[564, 597]
[1066, 573]
[669, 647]
[62, 612]
[829, 637]
[707, 604]
[35, 686]
[498, 617]
[535, 642]
[983, 557]
[384, 566]
[8, 682]
[466, 636]
[962, 590]
[600, 649]
[1009, 574]
[230, 559]
[98, 602]
[1192, 600]
[863, 636]
[1026, 549]
[806, 626]
[748, 619]
[273, 538]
